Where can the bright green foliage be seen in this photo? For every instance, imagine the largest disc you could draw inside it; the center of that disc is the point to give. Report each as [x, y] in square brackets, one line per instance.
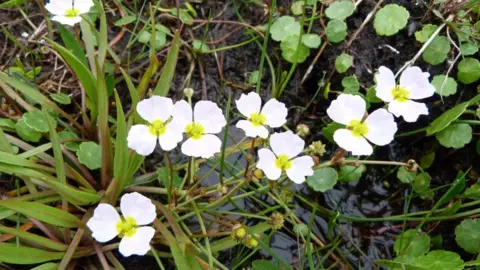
[297, 7]
[323, 179]
[340, 10]
[468, 48]
[426, 32]
[90, 154]
[372, 95]
[336, 31]
[343, 62]
[455, 136]
[468, 70]
[66, 135]
[253, 77]
[160, 38]
[8, 123]
[473, 192]
[412, 242]
[446, 118]
[421, 183]
[61, 98]
[405, 176]
[350, 85]
[126, 20]
[293, 50]
[36, 120]
[283, 27]
[440, 260]
[264, 264]
[427, 160]
[390, 19]
[330, 129]
[349, 173]
[437, 50]
[27, 133]
[467, 235]
[444, 86]
[164, 176]
[183, 14]
[200, 46]
[300, 229]
[312, 41]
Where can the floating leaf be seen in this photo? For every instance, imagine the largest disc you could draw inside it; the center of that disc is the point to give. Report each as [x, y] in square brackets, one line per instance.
[61, 98]
[311, 40]
[294, 51]
[323, 179]
[283, 27]
[444, 86]
[90, 154]
[426, 32]
[418, 243]
[343, 62]
[340, 10]
[455, 136]
[446, 118]
[468, 70]
[36, 120]
[390, 19]
[27, 133]
[405, 176]
[336, 31]
[440, 260]
[437, 50]
[467, 235]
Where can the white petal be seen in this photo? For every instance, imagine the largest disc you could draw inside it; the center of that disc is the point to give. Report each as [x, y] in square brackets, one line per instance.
[139, 207]
[357, 145]
[266, 162]
[287, 143]
[252, 130]
[381, 127]
[137, 244]
[67, 20]
[248, 104]
[155, 108]
[83, 6]
[204, 147]
[417, 83]
[346, 108]
[385, 83]
[210, 116]
[58, 7]
[182, 114]
[103, 223]
[275, 112]
[410, 110]
[301, 167]
[140, 140]
[171, 137]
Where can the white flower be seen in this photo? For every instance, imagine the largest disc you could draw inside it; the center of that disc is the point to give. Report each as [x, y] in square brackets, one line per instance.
[68, 11]
[25, 34]
[273, 114]
[379, 127]
[286, 146]
[413, 85]
[143, 138]
[137, 211]
[199, 126]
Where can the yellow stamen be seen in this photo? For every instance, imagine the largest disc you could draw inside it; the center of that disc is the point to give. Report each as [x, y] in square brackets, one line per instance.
[358, 128]
[157, 128]
[257, 119]
[283, 162]
[127, 227]
[400, 94]
[195, 130]
[72, 13]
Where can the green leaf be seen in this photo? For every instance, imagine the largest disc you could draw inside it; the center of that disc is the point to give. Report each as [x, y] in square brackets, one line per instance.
[46, 266]
[468, 70]
[163, 176]
[264, 265]
[27, 133]
[34, 238]
[36, 120]
[8, 123]
[66, 135]
[437, 51]
[61, 98]
[456, 188]
[446, 118]
[418, 243]
[283, 27]
[200, 46]
[473, 192]
[349, 173]
[11, 253]
[455, 136]
[10, 4]
[340, 10]
[253, 77]
[343, 62]
[120, 163]
[183, 15]
[427, 160]
[390, 19]
[126, 20]
[293, 50]
[405, 176]
[426, 32]
[312, 41]
[297, 7]
[440, 260]
[468, 48]
[421, 183]
[163, 85]
[72, 44]
[90, 154]
[336, 31]
[330, 129]
[372, 95]
[160, 38]
[42, 212]
[323, 179]
[350, 85]
[444, 86]
[477, 147]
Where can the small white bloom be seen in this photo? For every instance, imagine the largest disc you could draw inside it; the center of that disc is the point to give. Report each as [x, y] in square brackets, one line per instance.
[273, 114]
[25, 35]
[143, 138]
[379, 127]
[68, 11]
[413, 85]
[137, 211]
[282, 158]
[200, 125]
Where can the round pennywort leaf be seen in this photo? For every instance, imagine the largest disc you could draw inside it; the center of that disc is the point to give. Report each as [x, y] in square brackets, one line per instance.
[437, 50]
[468, 70]
[90, 154]
[455, 136]
[390, 19]
[412, 242]
[323, 179]
[343, 62]
[283, 27]
[294, 51]
[440, 260]
[27, 133]
[36, 120]
[444, 86]
[467, 235]
[336, 31]
[340, 10]
[311, 40]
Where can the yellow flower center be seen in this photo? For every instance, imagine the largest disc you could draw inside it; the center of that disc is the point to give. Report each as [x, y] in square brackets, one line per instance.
[195, 130]
[283, 162]
[400, 94]
[127, 227]
[257, 119]
[358, 128]
[157, 127]
[72, 13]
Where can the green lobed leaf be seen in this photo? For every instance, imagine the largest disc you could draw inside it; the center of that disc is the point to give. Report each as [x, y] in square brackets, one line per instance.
[340, 10]
[390, 19]
[350, 85]
[444, 86]
[418, 243]
[330, 129]
[283, 27]
[372, 95]
[468, 70]
[343, 62]
[336, 31]
[36, 120]
[455, 136]
[200, 46]
[323, 179]
[468, 48]
[8, 123]
[293, 50]
[66, 135]
[437, 51]
[427, 160]
[405, 176]
[426, 32]
[349, 173]
[421, 183]
[312, 41]
[447, 118]
[473, 192]
[297, 7]
[163, 176]
[90, 154]
[440, 260]
[27, 133]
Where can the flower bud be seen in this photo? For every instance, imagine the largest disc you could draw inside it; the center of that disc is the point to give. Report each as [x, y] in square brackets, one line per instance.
[276, 221]
[188, 92]
[239, 232]
[222, 189]
[316, 148]
[286, 195]
[258, 174]
[251, 242]
[412, 165]
[303, 130]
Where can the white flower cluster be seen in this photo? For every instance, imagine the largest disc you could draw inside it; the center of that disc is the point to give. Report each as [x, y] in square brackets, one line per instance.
[379, 127]
[68, 11]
